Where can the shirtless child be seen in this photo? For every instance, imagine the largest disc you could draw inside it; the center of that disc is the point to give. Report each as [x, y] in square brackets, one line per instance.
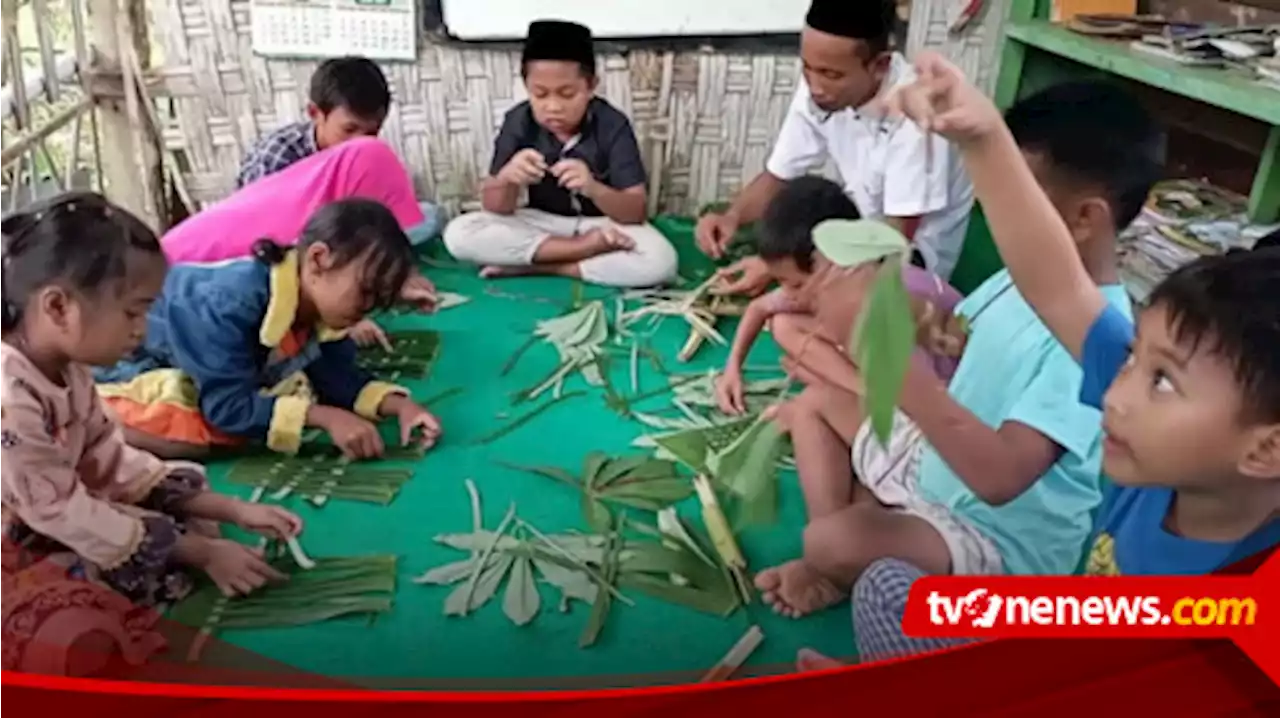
[786, 247]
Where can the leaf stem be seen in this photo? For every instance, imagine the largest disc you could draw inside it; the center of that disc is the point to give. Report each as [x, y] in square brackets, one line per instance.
[484, 556]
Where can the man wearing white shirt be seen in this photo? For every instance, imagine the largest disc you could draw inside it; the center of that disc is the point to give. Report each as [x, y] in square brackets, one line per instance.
[892, 170]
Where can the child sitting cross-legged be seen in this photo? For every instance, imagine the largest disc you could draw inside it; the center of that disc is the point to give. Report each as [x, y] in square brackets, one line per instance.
[254, 350]
[577, 158]
[786, 246]
[79, 276]
[996, 472]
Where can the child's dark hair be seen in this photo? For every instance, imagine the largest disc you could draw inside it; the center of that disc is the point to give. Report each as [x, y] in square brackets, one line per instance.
[1094, 132]
[1231, 302]
[78, 240]
[353, 82]
[350, 228]
[786, 229]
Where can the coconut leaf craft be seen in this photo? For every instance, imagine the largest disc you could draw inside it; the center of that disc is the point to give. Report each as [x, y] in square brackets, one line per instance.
[697, 307]
[327, 588]
[578, 337]
[607, 484]
[669, 564]
[413, 353]
[319, 473]
[746, 471]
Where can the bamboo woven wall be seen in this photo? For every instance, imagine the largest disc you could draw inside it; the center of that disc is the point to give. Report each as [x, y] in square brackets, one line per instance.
[705, 120]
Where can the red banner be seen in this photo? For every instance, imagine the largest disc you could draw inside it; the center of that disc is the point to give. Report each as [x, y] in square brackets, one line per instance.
[1245, 609]
[1184, 668]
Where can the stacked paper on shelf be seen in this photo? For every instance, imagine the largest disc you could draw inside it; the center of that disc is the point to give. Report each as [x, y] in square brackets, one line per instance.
[1183, 220]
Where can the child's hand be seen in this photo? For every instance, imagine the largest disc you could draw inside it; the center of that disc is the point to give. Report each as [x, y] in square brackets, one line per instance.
[575, 176]
[941, 100]
[527, 167]
[729, 392]
[236, 568]
[413, 418]
[420, 292]
[356, 437]
[271, 521]
[937, 332]
[366, 332]
[749, 276]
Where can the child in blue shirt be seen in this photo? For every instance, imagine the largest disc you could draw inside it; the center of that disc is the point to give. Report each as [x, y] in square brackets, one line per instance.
[1190, 392]
[996, 472]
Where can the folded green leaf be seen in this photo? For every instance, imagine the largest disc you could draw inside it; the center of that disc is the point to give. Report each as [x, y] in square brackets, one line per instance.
[670, 524]
[575, 585]
[748, 470]
[852, 243]
[521, 600]
[591, 467]
[448, 573]
[463, 599]
[597, 515]
[718, 602]
[883, 341]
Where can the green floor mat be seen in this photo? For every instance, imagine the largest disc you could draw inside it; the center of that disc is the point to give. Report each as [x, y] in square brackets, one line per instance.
[415, 640]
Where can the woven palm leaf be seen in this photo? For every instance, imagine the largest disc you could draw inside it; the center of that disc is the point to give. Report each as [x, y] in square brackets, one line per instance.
[334, 587]
[318, 471]
[415, 351]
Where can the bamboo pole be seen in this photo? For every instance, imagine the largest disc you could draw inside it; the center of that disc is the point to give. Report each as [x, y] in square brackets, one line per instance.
[120, 151]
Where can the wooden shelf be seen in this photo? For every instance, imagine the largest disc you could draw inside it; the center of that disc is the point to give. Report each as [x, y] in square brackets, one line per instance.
[1225, 88]
[1036, 52]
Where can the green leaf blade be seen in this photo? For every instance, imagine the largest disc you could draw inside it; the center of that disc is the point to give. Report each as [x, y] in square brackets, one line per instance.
[884, 340]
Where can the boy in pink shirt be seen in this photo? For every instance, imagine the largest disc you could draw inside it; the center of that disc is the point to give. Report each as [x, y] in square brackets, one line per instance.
[279, 205]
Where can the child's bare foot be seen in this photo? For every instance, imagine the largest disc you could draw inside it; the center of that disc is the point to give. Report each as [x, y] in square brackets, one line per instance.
[603, 240]
[808, 659]
[794, 590]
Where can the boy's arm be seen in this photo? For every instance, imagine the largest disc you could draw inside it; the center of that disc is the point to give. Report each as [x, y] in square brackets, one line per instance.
[1033, 241]
[998, 465]
[749, 328]
[624, 206]
[625, 197]
[495, 195]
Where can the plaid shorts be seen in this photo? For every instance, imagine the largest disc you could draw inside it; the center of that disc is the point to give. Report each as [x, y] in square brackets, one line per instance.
[891, 471]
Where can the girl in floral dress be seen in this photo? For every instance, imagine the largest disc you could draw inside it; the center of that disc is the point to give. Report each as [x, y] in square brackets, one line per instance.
[95, 529]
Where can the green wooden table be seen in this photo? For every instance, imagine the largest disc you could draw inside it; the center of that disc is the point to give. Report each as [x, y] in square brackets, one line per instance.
[1036, 53]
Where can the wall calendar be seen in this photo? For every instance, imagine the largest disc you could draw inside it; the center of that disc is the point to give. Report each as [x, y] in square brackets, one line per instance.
[377, 29]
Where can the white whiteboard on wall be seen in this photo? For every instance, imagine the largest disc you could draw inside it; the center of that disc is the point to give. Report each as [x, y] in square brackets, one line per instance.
[509, 19]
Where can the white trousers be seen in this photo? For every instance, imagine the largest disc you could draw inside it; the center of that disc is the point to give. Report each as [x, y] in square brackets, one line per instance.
[513, 240]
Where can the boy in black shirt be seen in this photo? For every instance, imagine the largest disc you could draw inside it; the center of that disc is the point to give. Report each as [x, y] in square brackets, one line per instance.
[577, 155]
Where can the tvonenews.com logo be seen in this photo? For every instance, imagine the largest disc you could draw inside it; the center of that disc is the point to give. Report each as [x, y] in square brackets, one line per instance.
[983, 609]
